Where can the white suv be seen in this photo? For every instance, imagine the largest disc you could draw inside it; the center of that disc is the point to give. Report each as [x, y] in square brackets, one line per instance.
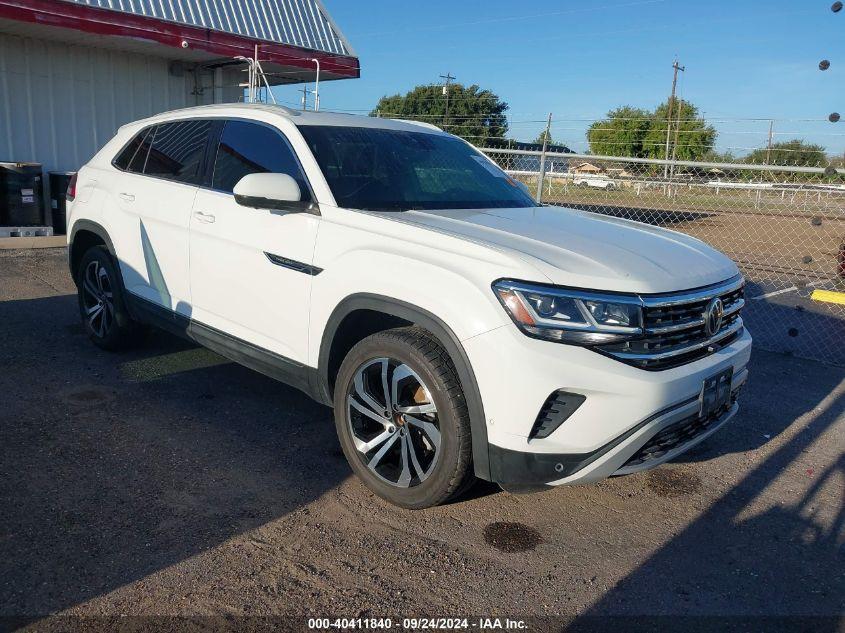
[392, 271]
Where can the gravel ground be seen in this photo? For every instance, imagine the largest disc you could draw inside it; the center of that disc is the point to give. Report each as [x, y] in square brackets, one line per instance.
[168, 481]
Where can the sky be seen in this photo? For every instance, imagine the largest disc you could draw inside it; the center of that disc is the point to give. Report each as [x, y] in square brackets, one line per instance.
[746, 61]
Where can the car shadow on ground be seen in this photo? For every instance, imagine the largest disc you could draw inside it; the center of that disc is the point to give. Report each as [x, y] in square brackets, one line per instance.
[798, 549]
[119, 465]
[775, 416]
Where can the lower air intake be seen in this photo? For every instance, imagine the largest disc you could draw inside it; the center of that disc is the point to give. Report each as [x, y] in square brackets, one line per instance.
[555, 411]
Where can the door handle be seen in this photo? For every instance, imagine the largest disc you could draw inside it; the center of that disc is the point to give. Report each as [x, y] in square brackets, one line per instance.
[208, 218]
[127, 197]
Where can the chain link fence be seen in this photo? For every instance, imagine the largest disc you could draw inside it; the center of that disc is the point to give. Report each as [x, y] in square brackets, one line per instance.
[783, 226]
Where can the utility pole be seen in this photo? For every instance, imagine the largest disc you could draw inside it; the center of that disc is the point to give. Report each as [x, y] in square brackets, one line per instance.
[305, 90]
[677, 134]
[448, 78]
[769, 144]
[541, 176]
[676, 68]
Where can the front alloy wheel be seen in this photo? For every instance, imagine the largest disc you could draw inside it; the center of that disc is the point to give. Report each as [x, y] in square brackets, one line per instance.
[393, 422]
[402, 418]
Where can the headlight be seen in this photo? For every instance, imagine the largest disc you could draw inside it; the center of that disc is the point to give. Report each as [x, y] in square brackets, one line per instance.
[570, 316]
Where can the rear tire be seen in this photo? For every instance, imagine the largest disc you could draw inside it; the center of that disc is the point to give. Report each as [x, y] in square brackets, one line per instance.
[102, 305]
[402, 418]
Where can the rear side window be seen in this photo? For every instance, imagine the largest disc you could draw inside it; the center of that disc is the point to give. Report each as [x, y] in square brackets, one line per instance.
[177, 150]
[250, 148]
[124, 159]
[140, 158]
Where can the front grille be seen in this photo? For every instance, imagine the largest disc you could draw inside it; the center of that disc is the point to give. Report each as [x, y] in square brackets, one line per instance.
[674, 327]
[678, 434]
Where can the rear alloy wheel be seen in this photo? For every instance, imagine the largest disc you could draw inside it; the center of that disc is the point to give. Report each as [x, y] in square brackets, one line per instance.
[101, 302]
[97, 299]
[402, 419]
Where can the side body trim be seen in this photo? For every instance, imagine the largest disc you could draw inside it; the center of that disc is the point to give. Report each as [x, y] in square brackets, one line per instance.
[432, 323]
[270, 364]
[301, 267]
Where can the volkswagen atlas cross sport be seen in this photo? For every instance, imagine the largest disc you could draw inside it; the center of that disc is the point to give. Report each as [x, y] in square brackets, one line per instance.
[395, 273]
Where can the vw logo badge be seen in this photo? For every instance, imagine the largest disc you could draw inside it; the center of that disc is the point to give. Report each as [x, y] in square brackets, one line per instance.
[713, 316]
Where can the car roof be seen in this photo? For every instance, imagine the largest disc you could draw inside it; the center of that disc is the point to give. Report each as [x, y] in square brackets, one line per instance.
[297, 117]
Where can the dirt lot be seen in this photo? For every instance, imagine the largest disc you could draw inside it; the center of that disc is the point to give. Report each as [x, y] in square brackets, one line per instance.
[168, 481]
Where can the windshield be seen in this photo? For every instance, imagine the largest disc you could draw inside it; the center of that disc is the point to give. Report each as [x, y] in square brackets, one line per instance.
[392, 170]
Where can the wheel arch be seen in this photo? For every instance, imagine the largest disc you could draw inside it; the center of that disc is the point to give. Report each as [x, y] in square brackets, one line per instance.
[361, 315]
[84, 235]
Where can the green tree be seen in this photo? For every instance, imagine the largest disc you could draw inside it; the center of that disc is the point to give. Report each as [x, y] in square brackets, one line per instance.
[474, 114]
[695, 137]
[622, 133]
[794, 152]
[542, 137]
[719, 157]
[641, 133]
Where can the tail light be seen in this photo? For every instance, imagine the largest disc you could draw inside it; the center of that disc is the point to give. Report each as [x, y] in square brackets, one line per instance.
[71, 189]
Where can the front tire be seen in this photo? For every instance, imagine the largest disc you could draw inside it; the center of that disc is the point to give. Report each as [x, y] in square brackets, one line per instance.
[402, 418]
[102, 303]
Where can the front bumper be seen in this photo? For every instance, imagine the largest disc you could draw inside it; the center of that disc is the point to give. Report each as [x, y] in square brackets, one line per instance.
[627, 410]
[639, 449]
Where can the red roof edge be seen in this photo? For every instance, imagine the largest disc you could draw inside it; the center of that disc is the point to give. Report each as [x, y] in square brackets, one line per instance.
[115, 23]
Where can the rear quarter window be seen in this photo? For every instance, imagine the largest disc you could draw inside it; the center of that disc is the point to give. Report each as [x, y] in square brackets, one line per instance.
[124, 158]
[177, 150]
[174, 151]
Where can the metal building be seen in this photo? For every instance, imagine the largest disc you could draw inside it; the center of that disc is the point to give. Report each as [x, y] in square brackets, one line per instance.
[73, 71]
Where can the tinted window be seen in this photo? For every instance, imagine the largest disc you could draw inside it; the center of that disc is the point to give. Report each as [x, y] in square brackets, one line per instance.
[395, 170]
[177, 150]
[138, 161]
[249, 148]
[130, 152]
[125, 157]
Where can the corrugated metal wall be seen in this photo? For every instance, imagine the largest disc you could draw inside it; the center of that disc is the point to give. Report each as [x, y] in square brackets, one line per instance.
[303, 23]
[60, 103]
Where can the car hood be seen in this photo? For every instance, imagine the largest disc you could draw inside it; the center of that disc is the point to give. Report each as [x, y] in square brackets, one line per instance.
[587, 250]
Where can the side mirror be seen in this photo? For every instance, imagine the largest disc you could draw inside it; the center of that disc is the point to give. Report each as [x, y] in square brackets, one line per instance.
[270, 191]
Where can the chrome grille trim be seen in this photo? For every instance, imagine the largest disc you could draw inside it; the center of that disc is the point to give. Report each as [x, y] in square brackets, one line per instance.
[724, 333]
[673, 325]
[736, 306]
[704, 294]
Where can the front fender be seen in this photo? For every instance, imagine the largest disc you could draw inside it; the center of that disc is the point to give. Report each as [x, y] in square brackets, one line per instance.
[446, 336]
[459, 295]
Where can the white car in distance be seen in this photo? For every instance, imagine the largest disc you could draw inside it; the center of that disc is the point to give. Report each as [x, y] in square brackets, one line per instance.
[393, 272]
[596, 182]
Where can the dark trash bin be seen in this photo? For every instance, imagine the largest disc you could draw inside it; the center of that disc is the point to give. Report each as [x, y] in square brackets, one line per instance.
[58, 200]
[21, 194]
